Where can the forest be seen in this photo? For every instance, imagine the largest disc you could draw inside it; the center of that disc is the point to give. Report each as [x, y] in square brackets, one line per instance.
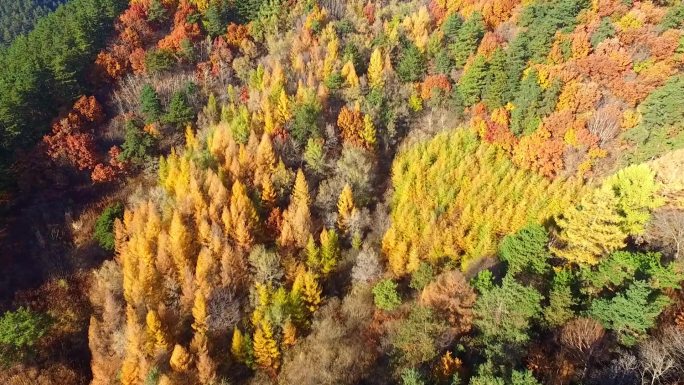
[18, 17]
[362, 192]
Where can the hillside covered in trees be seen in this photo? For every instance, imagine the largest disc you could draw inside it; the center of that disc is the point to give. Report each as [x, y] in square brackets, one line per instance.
[18, 16]
[424, 192]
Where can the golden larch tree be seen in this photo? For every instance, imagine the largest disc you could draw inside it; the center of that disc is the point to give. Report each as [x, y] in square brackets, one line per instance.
[369, 134]
[199, 313]
[243, 216]
[330, 250]
[266, 159]
[590, 229]
[206, 366]
[349, 74]
[156, 332]
[180, 242]
[375, 70]
[237, 345]
[289, 333]
[306, 286]
[345, 208]
[266, 352]
[296, 226]
[268, 193]
[181, 359]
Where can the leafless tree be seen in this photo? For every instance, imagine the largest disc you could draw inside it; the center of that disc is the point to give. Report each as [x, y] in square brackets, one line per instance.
[331, 136]
[359, 221]
[127, 96]
[582, 336]
[666, 231]
[336, 8]
[354, 167]
[659, 360]
[662, 357]
[674, 338]
[623, 370]
[605, 123]
[106, 336]
[656, 361]
[265, 264]
[367, 267]
[223, 310]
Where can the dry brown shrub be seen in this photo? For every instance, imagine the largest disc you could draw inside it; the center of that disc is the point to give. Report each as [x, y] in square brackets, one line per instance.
[451, 296]
[52, 375]
[582, 335]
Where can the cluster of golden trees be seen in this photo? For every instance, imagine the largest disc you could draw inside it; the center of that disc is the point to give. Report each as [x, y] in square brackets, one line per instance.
[455, 196]
[228, 218]
[205, 237]
[601, 222]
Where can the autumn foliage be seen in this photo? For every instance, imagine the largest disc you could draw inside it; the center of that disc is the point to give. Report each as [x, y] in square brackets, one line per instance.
[72, 139]
[267, 239]
[463, 169]
[183, 29]
[134, 32]
[433, 84]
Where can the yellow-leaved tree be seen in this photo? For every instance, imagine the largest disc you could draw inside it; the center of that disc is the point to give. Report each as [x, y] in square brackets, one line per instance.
[349, 74]
[156, 332]
[602, 221]
[330, 250]
[376, 78]
[289, 333]
[199, 313]
[590, 229]
[181, 359]
[345, 208]
[369, 134]
[266, 352]
[180, 243]
[306, 287]
[243, 219]
[296, 226]
[238, 346]
[266, 159]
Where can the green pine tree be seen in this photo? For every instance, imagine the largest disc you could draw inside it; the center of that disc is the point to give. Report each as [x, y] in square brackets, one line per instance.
[411, 66]
[561, 299]
[215, 18]
[156, 12]
[180, 112]
[504, 316]
[526, 250]
[473, 80]
[104, 227]
[137, 144]
[468, 38]
[631, 313]
[20, 330]
[496, 92]
[525, 117]
[604, 31]
[150, 105]
[452, 24]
